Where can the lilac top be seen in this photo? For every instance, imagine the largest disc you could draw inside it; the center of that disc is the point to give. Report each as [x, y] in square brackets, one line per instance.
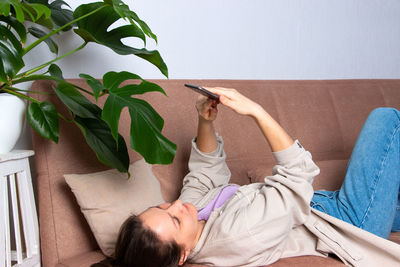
[223, 195]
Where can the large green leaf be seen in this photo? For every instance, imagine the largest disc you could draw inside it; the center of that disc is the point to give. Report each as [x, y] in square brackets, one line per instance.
[16, 25]
[146, 29]
[98, 137]
[46, 22]
[146, 138]
[10, 54]
[112, 81]
[146, 123]
[95, 84]
[19, 8]
[87, 117]
[59, 15]
[23, 9]
[94, 28]
[38, 33]
[76, 102]
[44, 119]
[123, 10]
[55, 71]
[36, 11]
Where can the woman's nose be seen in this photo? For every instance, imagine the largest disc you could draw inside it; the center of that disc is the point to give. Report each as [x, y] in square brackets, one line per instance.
[176, 205]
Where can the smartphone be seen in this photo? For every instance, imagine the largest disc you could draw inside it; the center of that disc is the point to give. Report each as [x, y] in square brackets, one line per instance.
[203, 91]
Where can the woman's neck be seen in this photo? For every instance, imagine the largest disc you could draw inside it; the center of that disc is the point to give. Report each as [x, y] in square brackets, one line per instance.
[201, 224]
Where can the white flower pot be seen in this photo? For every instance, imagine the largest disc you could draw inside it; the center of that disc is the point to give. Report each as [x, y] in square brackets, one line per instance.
[12, 115]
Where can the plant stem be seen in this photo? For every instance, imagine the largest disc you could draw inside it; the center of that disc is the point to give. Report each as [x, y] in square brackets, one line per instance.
[51, 61]
[34, 44]
[64, 118]
[35, 78]
[12, 91]
[44, 77]
[31, 91]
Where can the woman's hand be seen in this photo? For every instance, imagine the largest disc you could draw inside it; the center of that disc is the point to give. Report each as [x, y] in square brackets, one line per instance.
[236, 101]
[276, 136]
[207, 108]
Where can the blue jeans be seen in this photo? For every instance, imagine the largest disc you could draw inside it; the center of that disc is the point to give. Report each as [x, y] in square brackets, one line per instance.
[369, 197]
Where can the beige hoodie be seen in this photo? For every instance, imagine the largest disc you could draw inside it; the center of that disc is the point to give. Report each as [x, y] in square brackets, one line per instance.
[264, 222]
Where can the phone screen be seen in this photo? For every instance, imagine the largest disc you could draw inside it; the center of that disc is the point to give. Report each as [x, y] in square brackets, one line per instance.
[202, 91]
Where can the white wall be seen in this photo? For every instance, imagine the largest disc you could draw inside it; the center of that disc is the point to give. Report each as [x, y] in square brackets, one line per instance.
[261, 39]
[254, 39]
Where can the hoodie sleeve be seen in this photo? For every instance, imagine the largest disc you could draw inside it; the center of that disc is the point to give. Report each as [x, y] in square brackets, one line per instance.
[206, 171]
[282, 202]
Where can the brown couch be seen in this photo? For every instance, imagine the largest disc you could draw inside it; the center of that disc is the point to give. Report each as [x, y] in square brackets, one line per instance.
[326, 116]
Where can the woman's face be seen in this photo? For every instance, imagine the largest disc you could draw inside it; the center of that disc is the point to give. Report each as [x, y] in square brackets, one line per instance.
[173, 221]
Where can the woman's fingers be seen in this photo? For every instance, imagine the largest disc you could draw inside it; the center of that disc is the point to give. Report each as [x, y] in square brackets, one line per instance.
[233, 99]
[226, 95]
[225, 101]
[228, 92]
[206, 107]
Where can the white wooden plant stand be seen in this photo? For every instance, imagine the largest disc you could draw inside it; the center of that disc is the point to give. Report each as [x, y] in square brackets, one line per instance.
[19, 230]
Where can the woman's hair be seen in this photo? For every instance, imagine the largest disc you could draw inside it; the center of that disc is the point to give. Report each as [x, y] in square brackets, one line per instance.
[138, 246]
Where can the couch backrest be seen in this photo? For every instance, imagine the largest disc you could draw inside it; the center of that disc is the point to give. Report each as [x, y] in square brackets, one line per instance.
[326, 116]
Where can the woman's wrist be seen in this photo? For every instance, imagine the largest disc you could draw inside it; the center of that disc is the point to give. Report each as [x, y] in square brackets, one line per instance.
[258, 113]
[204, 120]
[276, 136]
[206, 137]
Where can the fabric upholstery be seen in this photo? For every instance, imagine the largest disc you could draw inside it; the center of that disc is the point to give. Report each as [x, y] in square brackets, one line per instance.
[325, 115]
[83, 260]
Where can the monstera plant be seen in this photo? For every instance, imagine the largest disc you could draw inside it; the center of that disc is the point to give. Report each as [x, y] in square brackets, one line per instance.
[42, 19]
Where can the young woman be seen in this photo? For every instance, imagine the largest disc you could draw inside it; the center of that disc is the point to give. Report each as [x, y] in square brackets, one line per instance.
[220, 224]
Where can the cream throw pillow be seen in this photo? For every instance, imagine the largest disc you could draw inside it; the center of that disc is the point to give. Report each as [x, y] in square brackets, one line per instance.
[107, 198]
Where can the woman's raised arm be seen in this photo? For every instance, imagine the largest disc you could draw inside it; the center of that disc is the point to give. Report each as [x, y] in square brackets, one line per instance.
[277, 137]
[206, 137]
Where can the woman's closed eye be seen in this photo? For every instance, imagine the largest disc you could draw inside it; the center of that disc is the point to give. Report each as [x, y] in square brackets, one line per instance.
[177, 220]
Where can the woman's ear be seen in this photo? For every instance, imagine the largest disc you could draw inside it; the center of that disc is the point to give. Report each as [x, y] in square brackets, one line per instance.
[184, 255]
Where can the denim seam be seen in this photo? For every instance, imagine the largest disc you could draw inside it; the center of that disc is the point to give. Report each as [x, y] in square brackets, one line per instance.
[397, 114]
[365, 217]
